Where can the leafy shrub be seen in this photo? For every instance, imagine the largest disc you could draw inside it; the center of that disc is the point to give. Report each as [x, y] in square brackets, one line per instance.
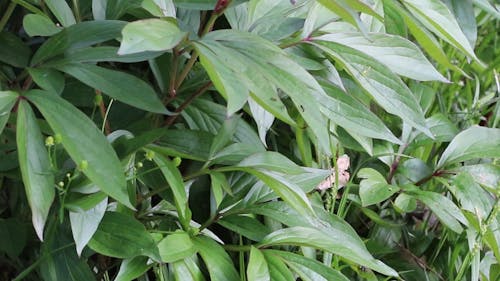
[249, 140]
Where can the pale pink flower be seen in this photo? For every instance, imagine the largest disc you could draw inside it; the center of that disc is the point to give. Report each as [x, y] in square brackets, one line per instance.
[343, 176]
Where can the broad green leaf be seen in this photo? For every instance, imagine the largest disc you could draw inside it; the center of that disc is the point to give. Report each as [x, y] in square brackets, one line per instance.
[348, 112]
[61, 11]
[314, 269]
[341, 238]
[414, 170]
[385, 87]
[83, 141]
[465, 16]
[79, 203]
[118, 85]
[99, 9]
[115, 9]
[174, 179]
[421, 34]
[405, 203]
[61, 262]
[13, 50]
[262, 118]
[487, 175]
[122, 236]
[35, 167]
[341, 8]
[474, 142]
[277, 268]
[38, 25]
[320, 239]
[209, 116]
[447, 212]
[132, 268]
[374, 188]
[187, 270]
[85, 222]
[437, 17]
[246, 226]
[176, 246]
[189, 144]
[271, 161]
[13, 234]
[48, 79]
[150, 35]
[257, 269]
[235, 153]
[471, 196]
[160, 8]
[219, 264]
[225, 134]
[399, 54]
[248, 60]
[7, 101]
[79, 35]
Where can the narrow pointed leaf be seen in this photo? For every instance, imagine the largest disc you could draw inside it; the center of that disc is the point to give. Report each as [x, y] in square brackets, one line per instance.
[474, 142]
[132, 268]
[176, 246]
[118, 85]
[385, 87]
[35, 167]
[219, 264]
[123, 236]
[257, 269]
[85, 222]
[86, 145]
[62, 11]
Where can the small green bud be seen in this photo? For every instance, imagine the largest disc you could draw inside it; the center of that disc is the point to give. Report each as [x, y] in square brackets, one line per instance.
[83, 165]
[68, 175]
[150, 155]
[139, 165]
[58, 138]
[60, 184]
[49, 141]
[98, 99]
[177, 161]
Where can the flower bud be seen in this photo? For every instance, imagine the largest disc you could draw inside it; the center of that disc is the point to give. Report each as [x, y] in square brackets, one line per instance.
[49, 141]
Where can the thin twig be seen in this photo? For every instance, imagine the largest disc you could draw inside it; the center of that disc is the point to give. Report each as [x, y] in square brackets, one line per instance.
[102, 109]
[395, 163]
[170, 120]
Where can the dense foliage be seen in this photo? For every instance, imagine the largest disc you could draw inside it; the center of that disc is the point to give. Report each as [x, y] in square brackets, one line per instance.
[249, 140]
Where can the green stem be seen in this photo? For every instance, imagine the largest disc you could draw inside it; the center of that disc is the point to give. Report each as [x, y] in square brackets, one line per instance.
[76, 10]
[187, 68]
[7, 14]
[170, 120]
[237, 248]
[29, 7]
[302, 143]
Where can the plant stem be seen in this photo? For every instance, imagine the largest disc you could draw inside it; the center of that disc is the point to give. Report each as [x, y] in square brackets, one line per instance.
[185, 71]
[76, 10]
[395, 163]
[170, 120]
[7, 14]
[106, 127]
[29, 7]
[237, 248]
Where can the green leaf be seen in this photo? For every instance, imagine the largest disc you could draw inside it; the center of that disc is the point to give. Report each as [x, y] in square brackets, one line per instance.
[257, 269]
[189, 144]
[83, 141]
[447, 212]
[421, 34]
[271, 161]
[471, 196]
[474, 142]
[277, 268]
[7, 102]
[487, 175]
[225, 134]
[13, 50]
[405, 203]
[85, 222]
[13, 234]
[48, 79]
[174, 179]
[465, 16]
[150, 35]
[35, 167]
[101, 53]
[399, 54]
[39, 25]
[61, 11]
[437, 17]
[118, 85]
[341, 238]
[246, 226]
[374, 188]
[346, 111]
[79, 35]
[487, 7]
[314, 269]
[176, 246]
[122, 236]
[219, 264]
[341, 8]
[130, 269]
[187, 270]
[382, 84]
